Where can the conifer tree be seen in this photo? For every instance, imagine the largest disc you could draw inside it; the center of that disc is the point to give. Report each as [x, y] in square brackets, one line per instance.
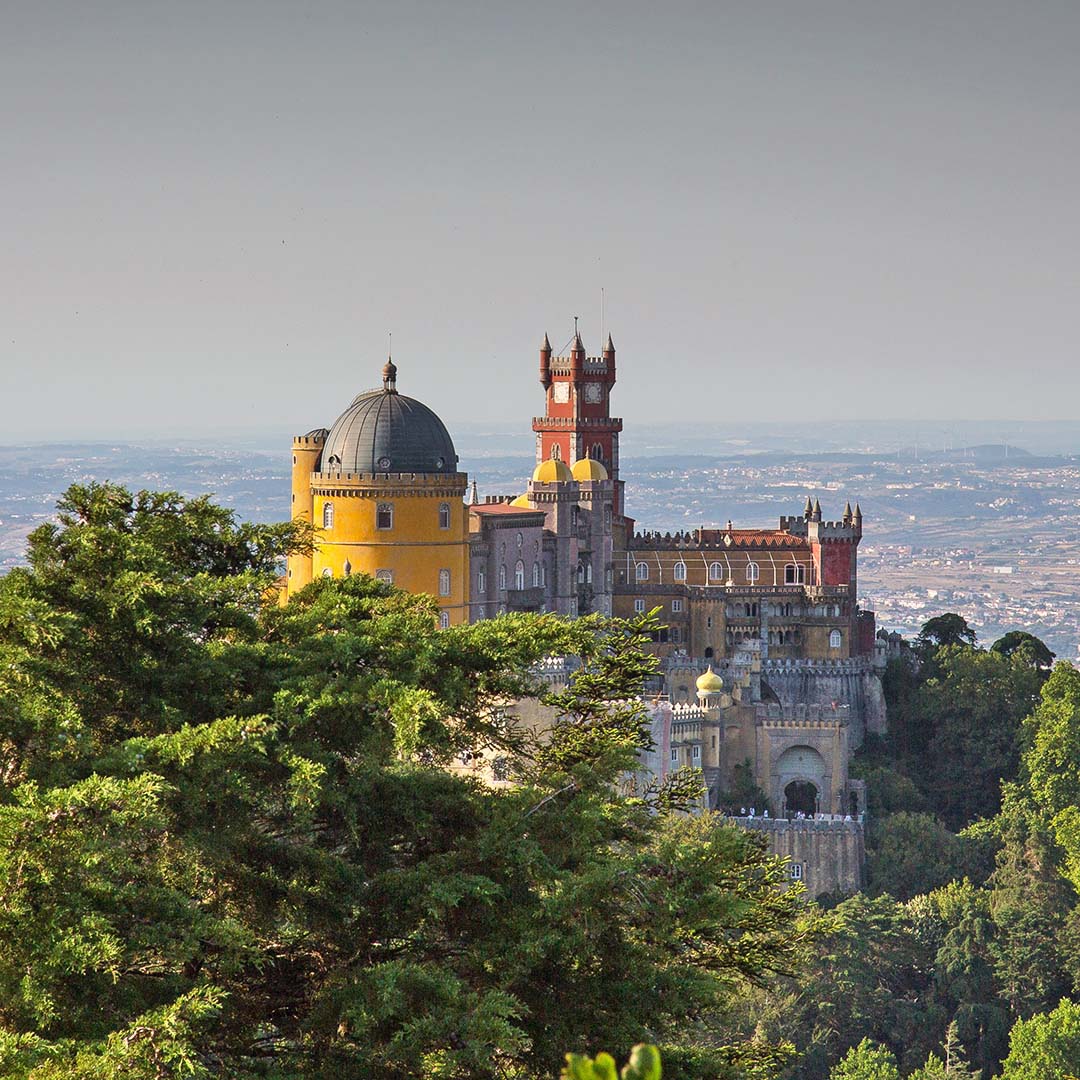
[232, 845]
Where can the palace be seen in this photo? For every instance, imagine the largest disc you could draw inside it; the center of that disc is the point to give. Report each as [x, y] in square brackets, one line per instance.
[792, 681]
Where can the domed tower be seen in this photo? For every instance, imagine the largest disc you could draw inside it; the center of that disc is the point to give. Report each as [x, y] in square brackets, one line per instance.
[383, 490]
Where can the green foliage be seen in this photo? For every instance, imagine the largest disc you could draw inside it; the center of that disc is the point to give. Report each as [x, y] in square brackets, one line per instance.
[970, 712]
[1053, 761]
[952, 1065]
[911, 853]
[1033, 649]
[231, 845]
[744, 791]
[1045, 1046]
[945, 630]
[644, 1064]
[888, 791]
[867, 1061]
[1029, 900]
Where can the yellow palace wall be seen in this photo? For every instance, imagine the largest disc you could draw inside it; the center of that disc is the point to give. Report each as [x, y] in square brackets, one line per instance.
[414, 550]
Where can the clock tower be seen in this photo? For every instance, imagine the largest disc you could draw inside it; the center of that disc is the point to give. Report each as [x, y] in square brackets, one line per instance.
[577, 421]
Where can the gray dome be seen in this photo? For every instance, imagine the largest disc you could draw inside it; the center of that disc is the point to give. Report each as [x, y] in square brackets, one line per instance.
[384, 431]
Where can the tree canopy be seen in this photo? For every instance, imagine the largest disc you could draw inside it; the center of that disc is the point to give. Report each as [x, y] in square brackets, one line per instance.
[232, 844]
[941, 630]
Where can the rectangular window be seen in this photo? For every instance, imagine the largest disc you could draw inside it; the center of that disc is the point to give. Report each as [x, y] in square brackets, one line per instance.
[676, 605]
[674, 755]
[480, 581]
[444, 582]
[696, 755]
[384, 516]
[444, 515]
[708, 623]
[639, 606]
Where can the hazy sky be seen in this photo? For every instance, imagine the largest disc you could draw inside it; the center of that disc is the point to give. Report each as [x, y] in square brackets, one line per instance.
[214, 212]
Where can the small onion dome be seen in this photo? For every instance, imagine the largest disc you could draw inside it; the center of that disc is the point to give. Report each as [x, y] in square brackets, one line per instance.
[522, 501]
[710, 682]
[551, 471]
[588, 468]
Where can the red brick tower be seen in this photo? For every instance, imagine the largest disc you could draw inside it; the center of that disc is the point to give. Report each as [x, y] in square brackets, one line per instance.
[577, 422]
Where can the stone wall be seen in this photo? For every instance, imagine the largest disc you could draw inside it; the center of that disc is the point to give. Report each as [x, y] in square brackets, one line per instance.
[830, 854]
[847, 682]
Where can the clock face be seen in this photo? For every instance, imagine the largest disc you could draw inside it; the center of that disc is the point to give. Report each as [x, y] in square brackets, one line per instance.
[561, 392]
[594, 393]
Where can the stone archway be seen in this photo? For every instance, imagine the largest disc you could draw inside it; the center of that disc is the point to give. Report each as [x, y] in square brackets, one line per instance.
[801, 781]
[801, 796]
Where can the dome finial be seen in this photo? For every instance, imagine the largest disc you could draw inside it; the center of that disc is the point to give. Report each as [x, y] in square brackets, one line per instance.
[389, 371]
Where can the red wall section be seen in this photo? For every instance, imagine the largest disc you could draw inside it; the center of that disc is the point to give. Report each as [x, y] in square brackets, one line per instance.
[834, 561]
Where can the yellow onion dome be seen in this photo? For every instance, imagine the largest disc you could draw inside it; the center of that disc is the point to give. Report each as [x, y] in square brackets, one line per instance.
[522, 502]
[710, 682]
[589, 469]
[551, 471]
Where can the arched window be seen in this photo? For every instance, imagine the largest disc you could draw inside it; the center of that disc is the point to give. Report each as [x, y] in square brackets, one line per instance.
[444, 620]
[384, 516]
[794, 574]
[444, 582]
[327, 515]
[327, 572]
[385, 576]
[752, 572]
[519, 575]
[444, 515]
[641, 570]
[556, 452]
[502, 577]
[716, 572]
[836, 639]
[597, 452]
[520, 541]
[536, 575]
[680, 571]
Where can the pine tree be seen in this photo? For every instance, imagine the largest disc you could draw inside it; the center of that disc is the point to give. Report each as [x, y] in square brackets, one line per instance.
[231, 844]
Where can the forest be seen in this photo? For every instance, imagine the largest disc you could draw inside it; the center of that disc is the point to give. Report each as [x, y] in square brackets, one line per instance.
[232, 845]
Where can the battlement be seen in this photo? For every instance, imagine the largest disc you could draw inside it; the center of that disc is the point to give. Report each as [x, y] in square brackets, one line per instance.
[805, 715]
[311, 441]
[718, 539]
[856, 665]
[683, 712]
[344, 485]
[596, 423]
[817, 823]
